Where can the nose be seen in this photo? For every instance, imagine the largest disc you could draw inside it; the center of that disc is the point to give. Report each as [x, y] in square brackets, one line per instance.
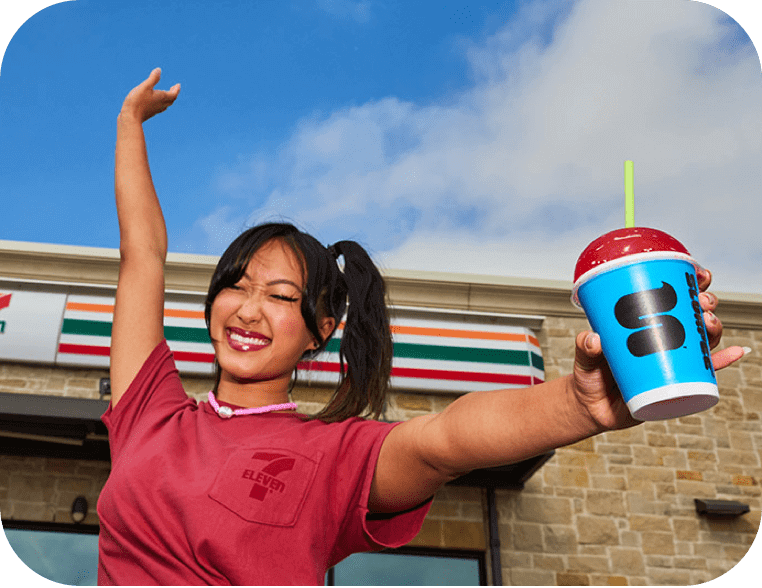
[250, 310]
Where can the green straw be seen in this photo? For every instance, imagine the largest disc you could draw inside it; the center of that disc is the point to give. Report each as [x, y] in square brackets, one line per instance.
[629, 195]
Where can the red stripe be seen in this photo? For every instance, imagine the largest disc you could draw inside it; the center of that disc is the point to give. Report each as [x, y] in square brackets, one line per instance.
[83, 349]
[400, 372]
[105, 351]
[193, 356]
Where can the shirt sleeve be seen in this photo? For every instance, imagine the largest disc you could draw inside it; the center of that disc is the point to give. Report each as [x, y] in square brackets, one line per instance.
[154, 395]
[362, 530]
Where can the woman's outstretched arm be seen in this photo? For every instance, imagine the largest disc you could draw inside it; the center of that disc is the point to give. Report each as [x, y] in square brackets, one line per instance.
[139, 310]
[484, 429]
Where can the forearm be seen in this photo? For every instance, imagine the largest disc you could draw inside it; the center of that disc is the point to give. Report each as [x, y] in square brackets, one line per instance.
[141, 222]
[485, 429]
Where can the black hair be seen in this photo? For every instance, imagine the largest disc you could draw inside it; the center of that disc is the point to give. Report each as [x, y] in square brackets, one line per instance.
[366, 345]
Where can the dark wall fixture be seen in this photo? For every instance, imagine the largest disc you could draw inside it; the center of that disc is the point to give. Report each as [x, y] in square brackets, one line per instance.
[720, 509]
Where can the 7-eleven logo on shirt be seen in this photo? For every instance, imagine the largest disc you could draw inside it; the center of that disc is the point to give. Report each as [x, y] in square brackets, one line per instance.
[266, 480]
[266, 485]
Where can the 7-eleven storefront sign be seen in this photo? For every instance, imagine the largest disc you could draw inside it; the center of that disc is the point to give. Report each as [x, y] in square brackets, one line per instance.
[433, 350]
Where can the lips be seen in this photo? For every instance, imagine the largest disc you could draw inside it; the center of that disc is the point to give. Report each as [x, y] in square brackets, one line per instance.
[241, 340]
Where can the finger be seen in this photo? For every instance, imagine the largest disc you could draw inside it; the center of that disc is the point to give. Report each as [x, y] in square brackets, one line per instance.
[704, 278]
[588, 352]
[153, 78]
[708, 301]
[171, 95]
[728, 355]
[713, 329]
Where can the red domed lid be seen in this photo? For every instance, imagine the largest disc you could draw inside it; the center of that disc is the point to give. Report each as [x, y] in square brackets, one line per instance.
[623, 242]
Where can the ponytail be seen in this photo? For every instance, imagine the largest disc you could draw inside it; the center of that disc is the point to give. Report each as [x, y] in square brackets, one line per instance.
[366, 345]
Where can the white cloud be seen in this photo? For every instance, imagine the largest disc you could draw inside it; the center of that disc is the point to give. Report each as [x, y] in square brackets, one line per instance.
[517, 174]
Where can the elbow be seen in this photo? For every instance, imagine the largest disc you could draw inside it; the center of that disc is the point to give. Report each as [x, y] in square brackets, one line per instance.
[441, 450]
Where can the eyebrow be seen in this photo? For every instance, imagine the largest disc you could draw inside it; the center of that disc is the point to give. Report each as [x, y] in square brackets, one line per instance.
[276, 282]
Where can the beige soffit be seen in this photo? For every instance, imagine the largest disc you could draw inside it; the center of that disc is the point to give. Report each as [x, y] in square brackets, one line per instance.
[185, 273]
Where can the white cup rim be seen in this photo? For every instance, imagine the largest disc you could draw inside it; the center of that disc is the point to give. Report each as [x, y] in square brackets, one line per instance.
[628, 260]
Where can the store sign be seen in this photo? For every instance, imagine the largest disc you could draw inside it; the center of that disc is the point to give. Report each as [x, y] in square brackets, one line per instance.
[86, 334]
[432, 350]
[29, 325]
[454, 355]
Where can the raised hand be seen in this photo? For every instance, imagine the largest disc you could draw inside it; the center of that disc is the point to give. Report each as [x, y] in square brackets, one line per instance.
[144, 101]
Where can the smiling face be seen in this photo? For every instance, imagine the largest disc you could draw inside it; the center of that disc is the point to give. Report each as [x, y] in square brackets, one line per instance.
[257, 328]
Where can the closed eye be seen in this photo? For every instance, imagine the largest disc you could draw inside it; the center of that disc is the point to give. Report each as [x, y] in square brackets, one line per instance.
[286, 298]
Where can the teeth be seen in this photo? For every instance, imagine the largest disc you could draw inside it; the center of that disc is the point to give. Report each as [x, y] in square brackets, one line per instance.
[247, 340]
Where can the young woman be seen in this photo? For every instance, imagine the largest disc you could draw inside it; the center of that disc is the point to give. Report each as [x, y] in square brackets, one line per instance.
[242, 489]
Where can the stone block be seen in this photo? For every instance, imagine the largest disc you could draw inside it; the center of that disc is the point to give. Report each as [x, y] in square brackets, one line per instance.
[597, 530]
[689, 475]
[412, 402]
[588, 563]
[571, 579]
[658, 440]
[30, 488]
[463, 535]
[690, 563]
[519, 577]
[685, 529]
[695, 442]
[642, 523]
[602, 502]
[527, 537]
[560, 539]
[542, 509]
[627, 561]
[603, 580]
[658, 543]
[548, 562]
[566, 476]
[666, 577]
[736, 457]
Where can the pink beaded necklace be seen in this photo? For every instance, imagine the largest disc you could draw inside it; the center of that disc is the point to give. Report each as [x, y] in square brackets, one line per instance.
[225, 412]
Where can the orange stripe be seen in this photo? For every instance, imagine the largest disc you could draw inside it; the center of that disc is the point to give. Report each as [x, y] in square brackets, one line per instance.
[89, 307]
[459, 333]
[109, 308]
[176, 312]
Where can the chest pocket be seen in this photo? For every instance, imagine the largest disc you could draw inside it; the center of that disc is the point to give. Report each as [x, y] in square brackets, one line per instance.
[265, 485]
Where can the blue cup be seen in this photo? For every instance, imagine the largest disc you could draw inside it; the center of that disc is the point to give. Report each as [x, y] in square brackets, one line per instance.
[646, 310]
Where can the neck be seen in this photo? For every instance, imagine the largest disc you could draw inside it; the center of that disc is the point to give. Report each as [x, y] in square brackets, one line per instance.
[252, 394]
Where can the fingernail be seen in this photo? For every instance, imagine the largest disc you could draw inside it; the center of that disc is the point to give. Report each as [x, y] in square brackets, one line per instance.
[590, 341]
[710, 318]
[746, 350]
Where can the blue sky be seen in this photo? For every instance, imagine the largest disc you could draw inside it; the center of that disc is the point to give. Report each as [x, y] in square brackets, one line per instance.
[485, 138]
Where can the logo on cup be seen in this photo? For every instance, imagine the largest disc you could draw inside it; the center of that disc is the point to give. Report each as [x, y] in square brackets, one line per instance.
[698, 315]
[642, 310]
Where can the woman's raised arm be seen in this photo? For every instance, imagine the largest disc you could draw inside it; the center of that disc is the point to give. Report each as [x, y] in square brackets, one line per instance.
[139, 310]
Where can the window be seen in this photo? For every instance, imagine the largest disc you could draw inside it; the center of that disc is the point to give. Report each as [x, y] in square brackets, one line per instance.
[410, 567]
[63, 553]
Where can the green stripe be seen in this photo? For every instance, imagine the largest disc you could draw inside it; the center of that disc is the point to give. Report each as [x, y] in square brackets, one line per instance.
[188, 334]
[78, 327]
[446, 353]
[407, 350]
[103, 329]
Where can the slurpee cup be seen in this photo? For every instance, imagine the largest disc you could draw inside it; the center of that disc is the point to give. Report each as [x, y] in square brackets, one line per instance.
[639, 290]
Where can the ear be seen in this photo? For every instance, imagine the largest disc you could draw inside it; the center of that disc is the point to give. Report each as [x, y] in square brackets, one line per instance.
[326, 327]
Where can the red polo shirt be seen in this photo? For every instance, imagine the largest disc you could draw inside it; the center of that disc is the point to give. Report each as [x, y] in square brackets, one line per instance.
[257, 499]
